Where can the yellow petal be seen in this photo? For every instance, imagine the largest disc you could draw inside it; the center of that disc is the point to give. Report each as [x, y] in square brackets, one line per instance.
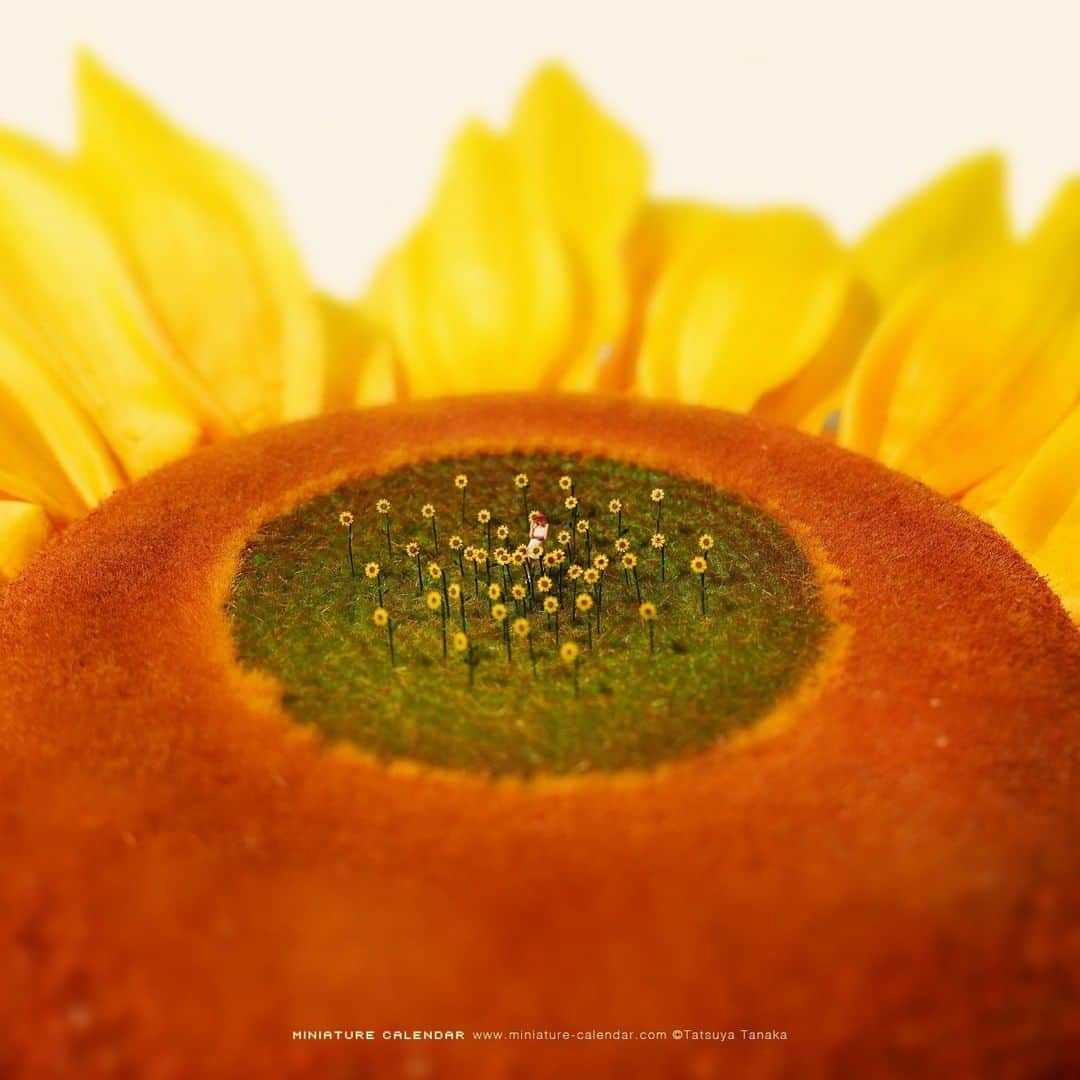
[970, 372]
[65, 291]
[49, 451]
[361, 369]
[744, 305]
[1040, 510]
[480, 295]
[816, 393]
[593, 175]
[24, 527]
[210, 251]
[662, 230]
[961, 213]
[514, 277]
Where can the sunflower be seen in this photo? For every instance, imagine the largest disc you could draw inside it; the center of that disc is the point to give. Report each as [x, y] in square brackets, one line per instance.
[850, 756]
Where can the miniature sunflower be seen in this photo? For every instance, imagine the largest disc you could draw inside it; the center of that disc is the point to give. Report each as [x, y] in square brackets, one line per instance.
[894, 780]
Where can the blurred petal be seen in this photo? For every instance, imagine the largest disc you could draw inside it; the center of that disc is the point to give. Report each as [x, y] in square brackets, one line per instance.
[49, 451]
[1045, 491]
[662, 230]
[480, 296]
[970, 372]
[65, 291]
[24, 527]
[808, 399]
[745, 303]
[593, 175]
[210, 251]
[360, 365]
[514, 278]
[1040, 510]
[961, 213]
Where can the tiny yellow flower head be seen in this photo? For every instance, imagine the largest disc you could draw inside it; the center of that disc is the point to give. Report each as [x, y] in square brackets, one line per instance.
[454, 591]
[615, 505]
[569, 652]
[698, 564]
[382, 506]
[629, 560]
[560, 556]
[591, 576]
[647, 611]
[412, 549]
[460, 641]
[551, 560]
[583, 526]
[551, 604]
[434, 601]
[480, 555]
[565, 483]
[346, 518]
[455, 543]
[518, 592]
[502, 556]
[705, 542]
[657, 494]
[498, 612]
[461, 481]
[622, 545]
[434, 569]
[469, 553]
[502, 532]
[518, 558]
[380, 616]
[494, 591]
[573, 572]
[534, 516]
[584, 602]
[521, 480]
[520, 627]
[483, 516]
[544, 583]
[600, 562]
[565, 537]
[371, 570]
[658, 540]
[570, 502]
[427, 510]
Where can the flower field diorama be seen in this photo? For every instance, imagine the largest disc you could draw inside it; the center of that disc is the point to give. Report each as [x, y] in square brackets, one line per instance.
[629, 623]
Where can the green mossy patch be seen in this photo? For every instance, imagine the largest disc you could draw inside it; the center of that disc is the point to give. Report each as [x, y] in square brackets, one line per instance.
[298, 613]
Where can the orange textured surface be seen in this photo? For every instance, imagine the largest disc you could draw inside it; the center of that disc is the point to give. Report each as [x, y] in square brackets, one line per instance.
[187, 876]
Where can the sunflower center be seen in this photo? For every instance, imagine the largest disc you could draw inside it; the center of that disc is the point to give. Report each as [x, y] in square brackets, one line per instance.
[528, 613]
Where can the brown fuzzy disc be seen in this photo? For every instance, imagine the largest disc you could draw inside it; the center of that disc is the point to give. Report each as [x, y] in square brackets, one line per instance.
[885, 873]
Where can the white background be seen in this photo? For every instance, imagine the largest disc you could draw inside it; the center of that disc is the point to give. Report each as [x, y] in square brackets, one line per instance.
[345, 107]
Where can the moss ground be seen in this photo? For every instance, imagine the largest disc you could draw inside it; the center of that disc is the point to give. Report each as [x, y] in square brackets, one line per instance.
[299, 613]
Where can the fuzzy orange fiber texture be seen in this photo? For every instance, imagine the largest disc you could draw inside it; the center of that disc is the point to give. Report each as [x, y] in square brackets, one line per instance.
[189, 876]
